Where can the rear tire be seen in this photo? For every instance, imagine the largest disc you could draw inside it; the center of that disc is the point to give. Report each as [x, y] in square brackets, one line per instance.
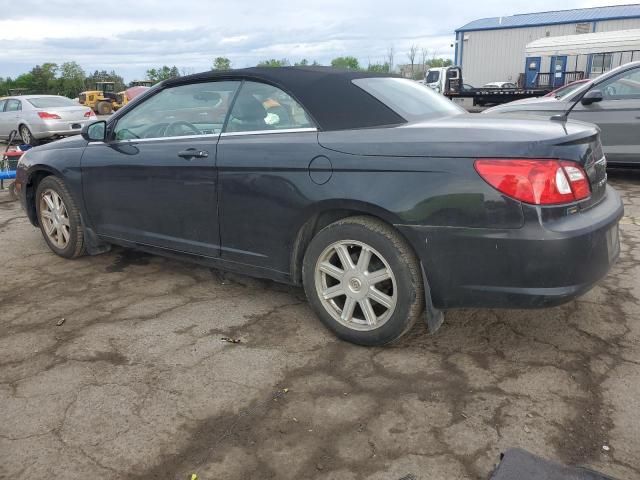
[369, 300]
[59, 218]
[27, 136]
[104, 108]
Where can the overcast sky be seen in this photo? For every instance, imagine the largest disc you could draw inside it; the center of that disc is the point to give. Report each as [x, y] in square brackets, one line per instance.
[190, 33]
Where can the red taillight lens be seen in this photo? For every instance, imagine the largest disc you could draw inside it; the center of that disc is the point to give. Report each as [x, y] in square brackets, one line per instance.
[540, 182]
[48, 116]
[90, 113]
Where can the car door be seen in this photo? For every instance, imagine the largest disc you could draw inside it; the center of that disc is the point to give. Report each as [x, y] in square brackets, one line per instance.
[267, 157]
[3, 129]
[10, 117]
[153, 182]
[617, 115]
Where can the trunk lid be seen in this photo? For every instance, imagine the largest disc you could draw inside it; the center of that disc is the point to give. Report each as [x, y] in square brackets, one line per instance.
[72, 113]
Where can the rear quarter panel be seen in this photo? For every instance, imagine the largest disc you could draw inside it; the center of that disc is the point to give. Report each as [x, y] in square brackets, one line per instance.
[267, 198]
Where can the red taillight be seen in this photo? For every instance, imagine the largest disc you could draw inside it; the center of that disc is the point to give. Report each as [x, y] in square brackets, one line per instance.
[48, 116]
[89, 114]
[540, 182]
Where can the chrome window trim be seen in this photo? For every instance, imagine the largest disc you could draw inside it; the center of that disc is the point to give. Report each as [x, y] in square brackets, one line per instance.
[266, 132]
[154, 139]
[209, 135]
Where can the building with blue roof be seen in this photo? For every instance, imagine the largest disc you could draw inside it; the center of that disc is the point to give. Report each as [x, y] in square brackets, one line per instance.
[494, 49]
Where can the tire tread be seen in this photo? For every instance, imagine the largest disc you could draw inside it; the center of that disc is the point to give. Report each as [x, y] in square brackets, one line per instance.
[72, 211]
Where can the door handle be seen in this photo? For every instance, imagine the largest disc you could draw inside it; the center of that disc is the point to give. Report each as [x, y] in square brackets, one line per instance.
[190, 153]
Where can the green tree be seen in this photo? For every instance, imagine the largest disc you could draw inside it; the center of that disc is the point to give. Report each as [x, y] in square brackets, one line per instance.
[221, 63]
[104, 76]
[378, 67]
[283, 62]
[304, 62]
[163, 73]
[350, 63]
[71, 79]
[439, 62]
[43, 78]
[23, 81]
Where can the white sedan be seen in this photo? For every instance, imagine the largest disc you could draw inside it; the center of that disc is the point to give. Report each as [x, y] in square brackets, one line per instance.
[40, 117]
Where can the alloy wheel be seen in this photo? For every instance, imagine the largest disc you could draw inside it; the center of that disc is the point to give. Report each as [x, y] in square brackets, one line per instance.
[54, 218]
[25, 134]
[356, 285]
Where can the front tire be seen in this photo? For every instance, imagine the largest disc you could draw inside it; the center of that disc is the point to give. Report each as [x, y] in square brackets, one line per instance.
[363, 281]
[59, 218]
[104, 108]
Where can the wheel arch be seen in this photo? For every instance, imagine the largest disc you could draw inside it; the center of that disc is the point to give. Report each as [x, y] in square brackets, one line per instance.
[24, 122]
[35, 176]
[327, 213]
[332, 212]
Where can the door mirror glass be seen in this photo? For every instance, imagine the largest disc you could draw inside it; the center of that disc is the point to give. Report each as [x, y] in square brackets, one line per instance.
[95, 132]
[592, 96]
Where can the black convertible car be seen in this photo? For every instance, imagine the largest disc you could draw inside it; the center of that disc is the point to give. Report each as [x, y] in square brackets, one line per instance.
[381, 197]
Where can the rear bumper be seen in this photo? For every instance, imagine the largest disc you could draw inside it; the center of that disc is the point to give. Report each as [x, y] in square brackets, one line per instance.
[538, 265]
[60, 129]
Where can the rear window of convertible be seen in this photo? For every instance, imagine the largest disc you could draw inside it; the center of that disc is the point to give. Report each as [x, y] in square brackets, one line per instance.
[407, 98]
[51, 102]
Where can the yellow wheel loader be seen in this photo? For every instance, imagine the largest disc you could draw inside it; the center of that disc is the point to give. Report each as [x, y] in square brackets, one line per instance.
[103, 100]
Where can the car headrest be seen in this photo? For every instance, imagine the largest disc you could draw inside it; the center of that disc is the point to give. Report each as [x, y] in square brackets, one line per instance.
[248, 109]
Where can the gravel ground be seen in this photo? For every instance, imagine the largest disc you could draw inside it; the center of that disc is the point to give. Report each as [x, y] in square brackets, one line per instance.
[114, 367]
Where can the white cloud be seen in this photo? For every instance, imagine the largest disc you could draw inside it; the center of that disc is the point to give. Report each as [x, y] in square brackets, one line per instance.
[132, 36]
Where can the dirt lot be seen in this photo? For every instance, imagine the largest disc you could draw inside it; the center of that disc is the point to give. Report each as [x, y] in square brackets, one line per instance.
[113, 367]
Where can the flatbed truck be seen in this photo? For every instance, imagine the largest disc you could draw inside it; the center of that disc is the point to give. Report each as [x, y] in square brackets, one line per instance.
[448, 81]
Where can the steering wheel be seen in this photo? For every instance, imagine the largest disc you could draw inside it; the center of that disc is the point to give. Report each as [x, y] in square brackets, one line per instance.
[610, 91]
[169, 131]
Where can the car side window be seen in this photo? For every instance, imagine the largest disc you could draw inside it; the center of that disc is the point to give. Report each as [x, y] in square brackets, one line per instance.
[625, 86]
[184, 110]
[260, 107]
[2, 103]
[13, 105]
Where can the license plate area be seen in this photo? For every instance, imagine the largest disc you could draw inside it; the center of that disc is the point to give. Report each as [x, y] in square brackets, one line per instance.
[75, 126]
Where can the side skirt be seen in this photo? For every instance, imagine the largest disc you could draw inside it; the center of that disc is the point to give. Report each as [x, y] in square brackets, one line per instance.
[213, 262]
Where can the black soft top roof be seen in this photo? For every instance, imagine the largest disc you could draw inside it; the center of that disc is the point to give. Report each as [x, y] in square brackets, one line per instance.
[326, 93]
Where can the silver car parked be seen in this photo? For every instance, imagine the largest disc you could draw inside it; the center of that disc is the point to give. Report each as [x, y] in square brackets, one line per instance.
[39, 117]
[611, 101]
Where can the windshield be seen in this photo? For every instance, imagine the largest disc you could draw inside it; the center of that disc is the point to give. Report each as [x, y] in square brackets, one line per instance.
[433, 76]
[409, 99]
[50, 102]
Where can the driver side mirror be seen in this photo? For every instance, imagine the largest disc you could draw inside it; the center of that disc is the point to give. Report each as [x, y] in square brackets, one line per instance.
[95, 132]
[592, 96]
